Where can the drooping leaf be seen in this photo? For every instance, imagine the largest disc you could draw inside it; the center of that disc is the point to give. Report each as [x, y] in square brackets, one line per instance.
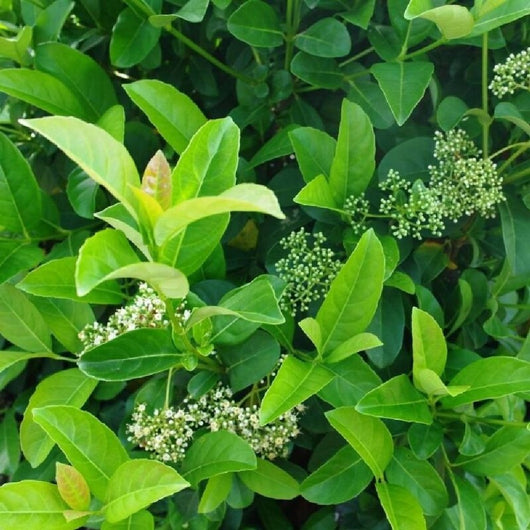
[402, 509]
[216, 453]
[89, 445]
[270, 481]
[369, 436]
[136, 484]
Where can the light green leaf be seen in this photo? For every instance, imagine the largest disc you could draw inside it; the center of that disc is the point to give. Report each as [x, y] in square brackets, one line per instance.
[208, 164]
[33, 505]
[113, 121]
[357, 343]
[72, 487]
[338, 480]
[402, 509]
[354, 294]
[216, 453]
[454, 22]
[429, 382]
[21, 323]
[240, 198]
[270, 481]
[318, 193]
[311, 329]
[256, 23]
[70, 387]
[354, 161]
[138, 483]
[490, 378]
[216, 491]
[295, 381]
[469, 510]
[89, 445]
[134, 354]
[142, 520]
[42, 90]
[325, 38]
[420, 479]
[156, 180]
[403, 85]
[497, 15]
[56, 279]
[396, 399]
[95, 151]
[173, 113]
[17, 48]
[369, 436]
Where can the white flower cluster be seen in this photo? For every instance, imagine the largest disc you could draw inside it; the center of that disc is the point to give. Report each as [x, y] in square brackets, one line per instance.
[357, 208]
[308, 269]
[511, 75]
[167, 433]
[146, 310]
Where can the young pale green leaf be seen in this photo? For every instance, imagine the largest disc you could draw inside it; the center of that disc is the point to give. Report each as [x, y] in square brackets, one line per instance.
[505, 449]
[56, 278]
[270, 481]
[80, 73]
[138, 483]
[42, 90]
[319, 193]
[369, 436]
[72, 487]
[429, 382]
[420, 479]
[357, 343]
[142, 520]
[113, 121]
[70, 387]
[495, 14]
[256, 23]
[396, 399]
[172, 112]
[311, 329]
[353, 378]
[338, 480]
[89, 445]
[326, 38]
[216, 491]
[18, 256]
[490, 378]
[354, 294]
[20, 196]
[101, 258]
[354, 161]
[454, 22]
[295, 381]
[216, 453]
[95, 151]
[429, 349]
[133, 37]
[516, 496]
[403, 85]
[21, 323]
[33, 505]
[134, 354]
[402, 509]
[314, 150]
[208, 165]
[156, 180]
[239, 198]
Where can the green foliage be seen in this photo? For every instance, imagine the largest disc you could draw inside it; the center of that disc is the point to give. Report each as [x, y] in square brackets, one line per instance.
[281, 247]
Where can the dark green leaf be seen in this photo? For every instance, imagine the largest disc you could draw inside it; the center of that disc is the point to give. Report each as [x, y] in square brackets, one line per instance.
[314, 151]
[16, 257]
[270, 481]
[325, 38]
[317, 71]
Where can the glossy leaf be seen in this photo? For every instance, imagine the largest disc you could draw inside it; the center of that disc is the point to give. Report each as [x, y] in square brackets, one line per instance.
[216, 491]
[136, 484]
[402, 509]
[338, 480]
[314, 151]
[403, 85]
[516, 496]
[424, 440]
[16, 48]
[56, 278]
[469, 511]
[501, 14]
[325, 38]
[256, 23]
[241, 198]
[396, 399]
[33, 505]
[134, 354]
[354, 161]
[317, 71]
[173, 113]
[295, 381]
[89, 445]
[357, 343]
[95, 151]
[9, 358]
[490, 378]
[353, 295]
[270, 481]
[216, 453]
[69, 387]
[367, 435]
[454, 22]
[72, 487]
[319, 193]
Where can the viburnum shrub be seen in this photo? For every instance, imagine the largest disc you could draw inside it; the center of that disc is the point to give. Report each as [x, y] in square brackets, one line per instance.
[264, 265]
